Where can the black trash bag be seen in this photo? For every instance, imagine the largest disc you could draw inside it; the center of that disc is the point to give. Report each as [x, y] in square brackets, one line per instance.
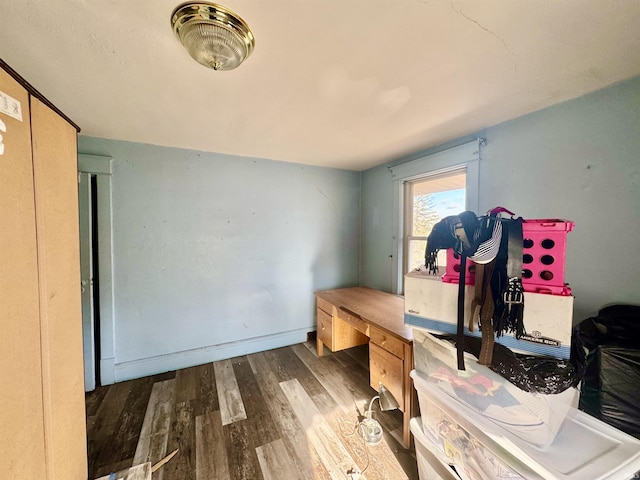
[615, 324]
[536, 374]
[612, 380]
[533, 374]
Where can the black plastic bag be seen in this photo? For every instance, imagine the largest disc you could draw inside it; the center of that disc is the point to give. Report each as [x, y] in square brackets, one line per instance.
[614, 325]
[536, 374]
[611, 386]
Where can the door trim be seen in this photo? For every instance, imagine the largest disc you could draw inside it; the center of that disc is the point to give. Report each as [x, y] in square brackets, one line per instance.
[89, 342]
[101, 167]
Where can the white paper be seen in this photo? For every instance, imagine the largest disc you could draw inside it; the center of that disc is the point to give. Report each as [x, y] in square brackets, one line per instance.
[3, 128]
[10, 106]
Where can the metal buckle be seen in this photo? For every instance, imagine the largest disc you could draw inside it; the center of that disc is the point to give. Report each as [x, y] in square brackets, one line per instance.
[514, 293]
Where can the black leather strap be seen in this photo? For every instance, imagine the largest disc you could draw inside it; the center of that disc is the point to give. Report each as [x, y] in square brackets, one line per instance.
[514, 246]
[460, 331]
[486, 316]
[513, 297]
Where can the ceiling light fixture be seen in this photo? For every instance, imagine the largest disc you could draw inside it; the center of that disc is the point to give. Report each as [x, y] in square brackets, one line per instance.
[213, 35]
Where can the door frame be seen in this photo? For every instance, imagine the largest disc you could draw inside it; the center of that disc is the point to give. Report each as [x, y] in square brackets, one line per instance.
[90, 345]
[101, 167]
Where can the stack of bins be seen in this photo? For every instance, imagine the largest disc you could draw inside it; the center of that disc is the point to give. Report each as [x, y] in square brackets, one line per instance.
[584, 447]
[431, 301]
[485, 427]
[476, 421]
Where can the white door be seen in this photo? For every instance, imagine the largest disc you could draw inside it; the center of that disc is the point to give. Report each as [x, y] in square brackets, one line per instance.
[86, 273]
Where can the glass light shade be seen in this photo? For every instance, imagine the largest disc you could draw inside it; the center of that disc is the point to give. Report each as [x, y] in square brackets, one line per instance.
[213, 35]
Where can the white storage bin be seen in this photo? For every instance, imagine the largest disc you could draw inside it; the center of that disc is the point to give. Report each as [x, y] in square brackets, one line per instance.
[431, 464]
[533, 417]
[472, 459]
[432, 304]
[584, 449]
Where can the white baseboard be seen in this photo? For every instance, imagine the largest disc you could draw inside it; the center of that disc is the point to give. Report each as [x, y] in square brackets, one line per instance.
[188, 358]
[107, 371]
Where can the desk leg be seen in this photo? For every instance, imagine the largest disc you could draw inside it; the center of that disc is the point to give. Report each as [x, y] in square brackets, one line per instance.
[411, 412]
[319, 347]
[406, 429]
[410, 395]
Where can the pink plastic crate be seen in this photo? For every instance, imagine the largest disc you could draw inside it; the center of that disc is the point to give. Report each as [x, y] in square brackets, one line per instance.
[544, 246]
[452, 274]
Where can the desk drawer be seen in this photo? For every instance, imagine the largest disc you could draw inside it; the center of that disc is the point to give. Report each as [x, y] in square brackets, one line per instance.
[388, 342]
[388, 369]
[324, 305]
[354, 320]
[324, 327]
[336, 333]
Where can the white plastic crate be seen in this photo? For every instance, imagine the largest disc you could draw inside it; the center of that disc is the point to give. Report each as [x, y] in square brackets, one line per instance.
[533, 417]
[584, 449]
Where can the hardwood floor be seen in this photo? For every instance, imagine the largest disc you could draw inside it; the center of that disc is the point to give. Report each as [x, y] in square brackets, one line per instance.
[279, 414]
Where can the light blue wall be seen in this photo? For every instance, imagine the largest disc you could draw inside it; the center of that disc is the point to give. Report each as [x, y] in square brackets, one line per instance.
[579, 160]
[217, 256]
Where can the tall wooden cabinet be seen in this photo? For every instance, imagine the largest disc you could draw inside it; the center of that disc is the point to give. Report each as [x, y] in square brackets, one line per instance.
[42, 419]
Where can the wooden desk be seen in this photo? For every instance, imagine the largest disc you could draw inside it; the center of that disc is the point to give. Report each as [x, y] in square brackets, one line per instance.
[348, 317]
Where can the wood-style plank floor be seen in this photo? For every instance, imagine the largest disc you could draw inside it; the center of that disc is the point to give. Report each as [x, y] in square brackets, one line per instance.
[280, 414]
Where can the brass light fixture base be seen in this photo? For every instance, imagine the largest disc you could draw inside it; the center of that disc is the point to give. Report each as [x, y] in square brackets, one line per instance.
[213, 35]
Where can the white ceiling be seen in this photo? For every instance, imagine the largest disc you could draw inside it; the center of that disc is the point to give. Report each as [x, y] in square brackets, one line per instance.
[348, 84]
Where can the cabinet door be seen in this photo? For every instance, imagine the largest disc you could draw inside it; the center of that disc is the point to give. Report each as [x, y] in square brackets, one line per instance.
[21, 401]
[56, 192]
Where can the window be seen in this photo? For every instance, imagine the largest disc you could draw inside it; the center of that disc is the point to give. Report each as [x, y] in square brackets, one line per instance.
[427, 201]
[441, 184]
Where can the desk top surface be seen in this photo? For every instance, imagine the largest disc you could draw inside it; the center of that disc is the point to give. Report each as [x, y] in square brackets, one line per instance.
[378, 308]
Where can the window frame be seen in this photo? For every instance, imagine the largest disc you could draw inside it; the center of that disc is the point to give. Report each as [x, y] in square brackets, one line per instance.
[465, 156]
[408, 213]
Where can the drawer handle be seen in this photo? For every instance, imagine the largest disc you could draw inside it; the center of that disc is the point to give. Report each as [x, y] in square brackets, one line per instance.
[349, 312]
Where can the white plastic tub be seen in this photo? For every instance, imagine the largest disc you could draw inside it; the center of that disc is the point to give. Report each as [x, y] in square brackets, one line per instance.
[585, 448]
[432, 464]
[533, 417]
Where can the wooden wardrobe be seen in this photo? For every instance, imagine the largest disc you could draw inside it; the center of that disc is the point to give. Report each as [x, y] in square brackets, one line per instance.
[42, 412]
